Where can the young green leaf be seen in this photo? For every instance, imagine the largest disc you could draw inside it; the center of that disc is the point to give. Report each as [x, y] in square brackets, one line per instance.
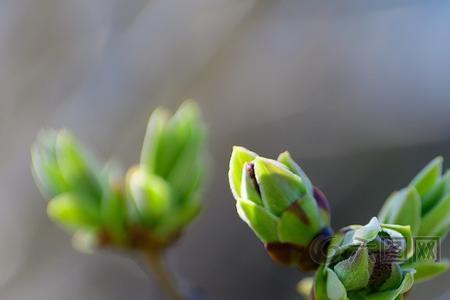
[150, 194]
[426, 270]
[354, 271]
[286, 159]
[263, 223]
[428, 176]
[437, 219]
[279, 186]
[73, 213]
[368, 232]
[239, 157]
[77, 167]
[335, 288]
[403, 208]
[436, 194]
[152, 141]
[45, 167]
[300, 223]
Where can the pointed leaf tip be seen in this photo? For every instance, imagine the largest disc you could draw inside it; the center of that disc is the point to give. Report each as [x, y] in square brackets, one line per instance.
[426, 179]
[428, 270]
[279, 186]
[239, 157]
[403, 208]
[335, 288]
[354, 272]
[153, 140]
[368, 232]
[286, 159]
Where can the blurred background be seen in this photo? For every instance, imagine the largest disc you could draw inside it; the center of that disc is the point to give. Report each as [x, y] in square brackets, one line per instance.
[358, 91]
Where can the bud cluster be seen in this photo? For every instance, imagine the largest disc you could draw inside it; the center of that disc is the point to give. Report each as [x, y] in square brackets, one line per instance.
[378, 261]
[280, 204]
[425, 206]
[364, 262]
[149, 208]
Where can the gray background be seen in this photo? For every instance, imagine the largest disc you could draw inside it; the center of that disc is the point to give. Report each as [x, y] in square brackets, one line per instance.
[358, 91]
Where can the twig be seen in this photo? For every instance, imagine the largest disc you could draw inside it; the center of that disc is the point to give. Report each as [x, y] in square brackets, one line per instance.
[156, 264]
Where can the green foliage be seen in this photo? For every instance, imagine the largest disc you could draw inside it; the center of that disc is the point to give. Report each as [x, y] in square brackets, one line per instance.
[164, 190]
[81, 196]
[424, 205]
[404, 208]
[279, 203]
[148, 208]
[363, 263]
[373, 262]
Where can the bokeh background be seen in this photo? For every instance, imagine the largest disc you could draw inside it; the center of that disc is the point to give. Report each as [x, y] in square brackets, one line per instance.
[358, 91]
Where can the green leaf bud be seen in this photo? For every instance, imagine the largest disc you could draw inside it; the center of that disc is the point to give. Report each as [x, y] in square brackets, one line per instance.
[239, 159]
[77, 167]
[279, 187]
[149, 208]
[60, 165]
[175, 145]
[150, 195]
[291, 219]
[364, 262]
[45, 166]
[72, 213]
[425, 206]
